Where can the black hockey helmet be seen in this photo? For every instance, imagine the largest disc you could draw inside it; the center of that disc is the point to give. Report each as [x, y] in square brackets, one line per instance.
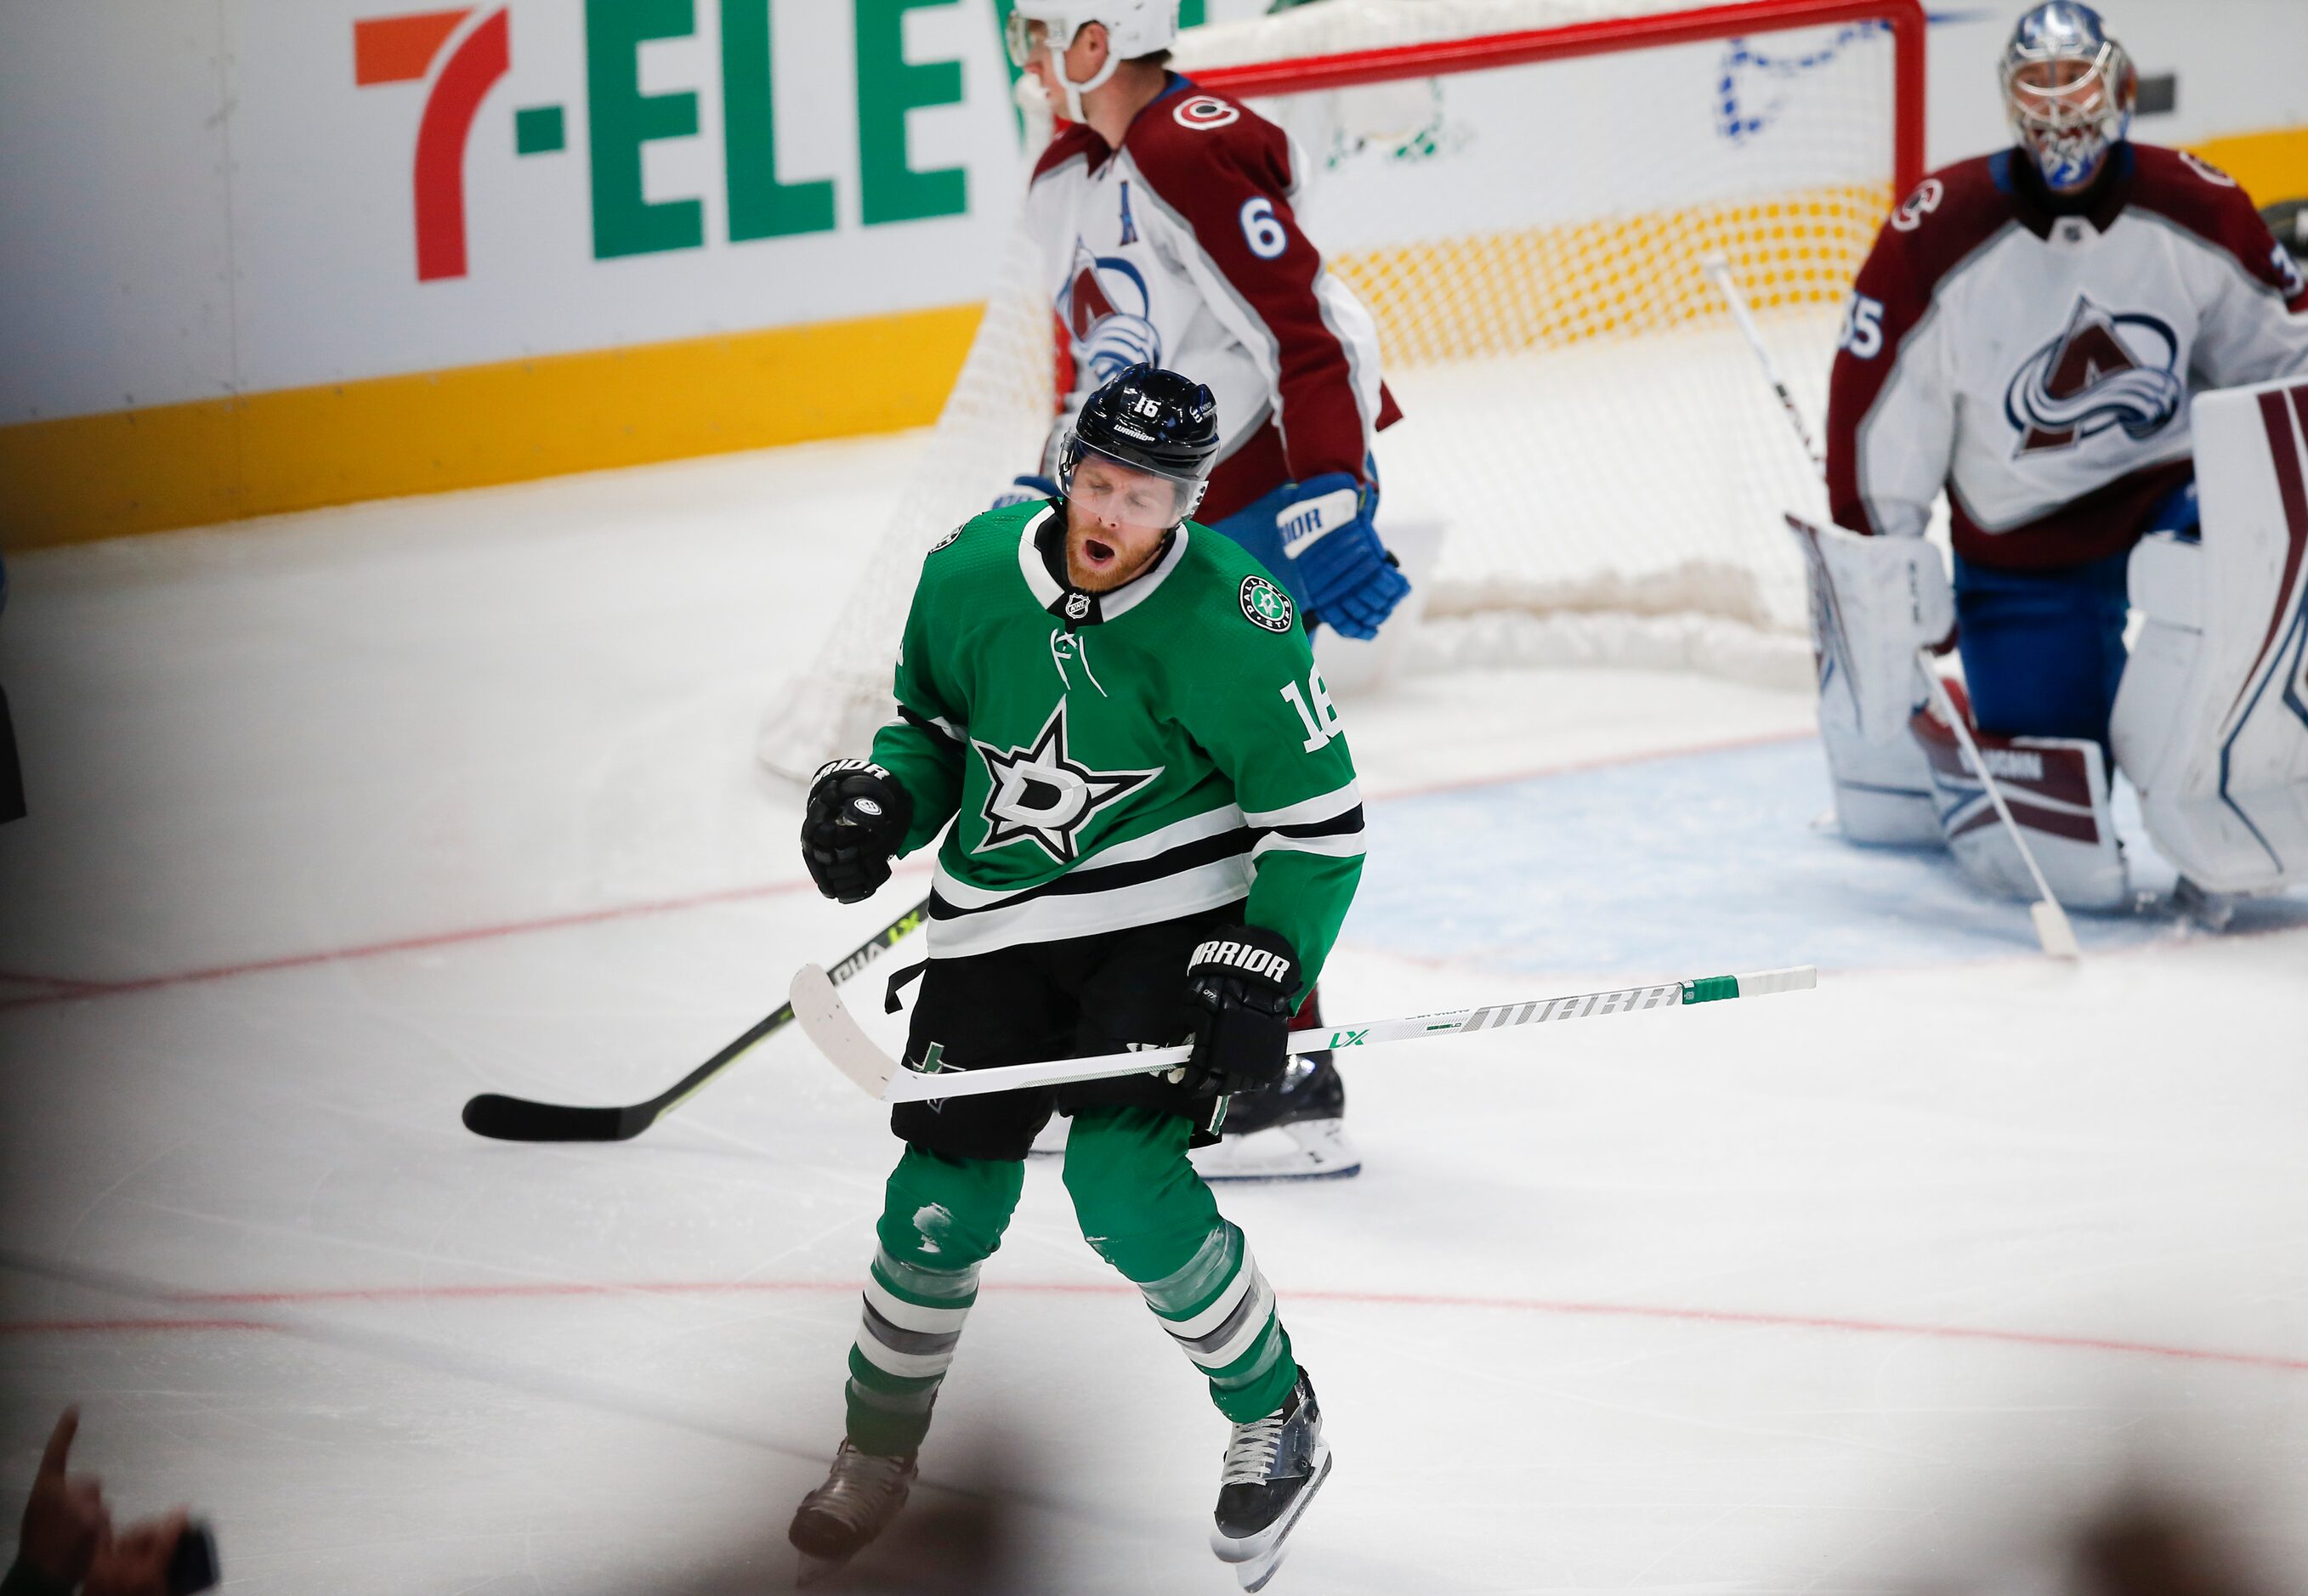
[1148, 420]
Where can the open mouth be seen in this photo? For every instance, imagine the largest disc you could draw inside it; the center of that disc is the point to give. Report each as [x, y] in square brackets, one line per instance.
[1097, 552]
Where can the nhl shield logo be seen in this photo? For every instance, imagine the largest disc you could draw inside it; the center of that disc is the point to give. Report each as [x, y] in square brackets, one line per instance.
[1266, 605]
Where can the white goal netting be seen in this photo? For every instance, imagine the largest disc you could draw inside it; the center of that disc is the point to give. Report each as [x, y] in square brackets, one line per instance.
[1590, 467]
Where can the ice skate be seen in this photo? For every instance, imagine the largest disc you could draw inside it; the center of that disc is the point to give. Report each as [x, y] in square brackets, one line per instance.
[861, 1495]
[1295, 1130]
[2210, 910]
[1273, 1467]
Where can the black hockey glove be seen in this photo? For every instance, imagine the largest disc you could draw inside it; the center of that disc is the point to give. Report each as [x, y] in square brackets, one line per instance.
[857, 817]
[1242, 986]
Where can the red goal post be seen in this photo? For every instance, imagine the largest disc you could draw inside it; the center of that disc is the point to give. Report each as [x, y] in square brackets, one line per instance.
[1907, 19]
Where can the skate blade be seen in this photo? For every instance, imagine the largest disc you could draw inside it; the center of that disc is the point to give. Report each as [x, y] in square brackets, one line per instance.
[818, 1571]
[1302, 1150]
[1254, 1572]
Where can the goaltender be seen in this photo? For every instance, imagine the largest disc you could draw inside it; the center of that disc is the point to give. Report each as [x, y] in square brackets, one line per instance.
[1156, 834]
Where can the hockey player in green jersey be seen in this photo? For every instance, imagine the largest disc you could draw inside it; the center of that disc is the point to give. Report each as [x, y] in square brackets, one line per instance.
[1156, 833]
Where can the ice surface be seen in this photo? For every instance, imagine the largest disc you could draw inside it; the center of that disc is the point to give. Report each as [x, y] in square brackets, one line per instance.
[341, 818]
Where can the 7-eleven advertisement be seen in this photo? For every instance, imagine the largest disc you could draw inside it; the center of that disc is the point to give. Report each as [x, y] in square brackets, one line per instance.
[252, 225]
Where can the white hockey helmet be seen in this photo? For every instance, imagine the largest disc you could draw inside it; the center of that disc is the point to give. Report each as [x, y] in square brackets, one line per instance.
[1133, 28]
[2069, 88]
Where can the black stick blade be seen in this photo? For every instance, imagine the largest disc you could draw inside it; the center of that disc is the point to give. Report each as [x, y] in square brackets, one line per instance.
[518, 1119]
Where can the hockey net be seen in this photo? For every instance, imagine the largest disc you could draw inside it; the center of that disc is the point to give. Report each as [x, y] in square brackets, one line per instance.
[1525, 194]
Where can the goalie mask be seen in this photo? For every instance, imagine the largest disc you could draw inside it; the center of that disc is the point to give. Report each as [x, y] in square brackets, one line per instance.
[1152, 422]
[2069, 90]
[1133, 28]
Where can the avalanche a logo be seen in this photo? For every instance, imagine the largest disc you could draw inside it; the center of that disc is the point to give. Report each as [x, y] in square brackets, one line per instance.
[2105, 370]
[1106, 308]
[1042, 795]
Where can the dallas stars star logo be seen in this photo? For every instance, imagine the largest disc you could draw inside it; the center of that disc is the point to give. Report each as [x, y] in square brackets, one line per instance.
[1042, 795]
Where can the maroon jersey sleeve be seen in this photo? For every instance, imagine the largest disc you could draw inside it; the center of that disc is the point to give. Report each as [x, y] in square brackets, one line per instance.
[1224, 172]
[2190, 192]
[1933, 230]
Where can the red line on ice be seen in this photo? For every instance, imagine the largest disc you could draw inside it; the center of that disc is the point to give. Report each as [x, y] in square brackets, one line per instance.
[108, 1327]
[1600, 762]
[69, 990]
[1749, 1318]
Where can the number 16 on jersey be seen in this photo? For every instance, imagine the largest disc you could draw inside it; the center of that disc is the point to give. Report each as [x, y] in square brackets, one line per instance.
[1315, 711]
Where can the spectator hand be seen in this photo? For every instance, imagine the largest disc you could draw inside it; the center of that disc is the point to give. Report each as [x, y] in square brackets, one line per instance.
[66, 1521]
[137, 1563]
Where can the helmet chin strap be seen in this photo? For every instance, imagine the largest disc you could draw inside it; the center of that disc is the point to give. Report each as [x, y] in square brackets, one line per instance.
[1073, 90]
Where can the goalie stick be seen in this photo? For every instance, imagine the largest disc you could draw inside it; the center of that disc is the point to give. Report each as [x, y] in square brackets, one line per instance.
[518, 1119]
[2054, 933]
[828, 1024]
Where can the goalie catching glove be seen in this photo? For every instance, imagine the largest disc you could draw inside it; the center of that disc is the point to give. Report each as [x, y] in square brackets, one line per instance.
[1242, 988]
[856, 820]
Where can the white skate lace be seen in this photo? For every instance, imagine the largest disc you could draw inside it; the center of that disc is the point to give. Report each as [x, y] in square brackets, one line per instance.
[1250, 1456]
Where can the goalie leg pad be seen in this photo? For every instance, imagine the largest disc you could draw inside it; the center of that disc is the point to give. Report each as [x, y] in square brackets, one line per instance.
[1873, 602]
[2211, 723]
[2057, 791]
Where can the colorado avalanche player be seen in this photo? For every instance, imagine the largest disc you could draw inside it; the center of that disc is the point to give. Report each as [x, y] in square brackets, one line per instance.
[1165, 221]
[2028, 336]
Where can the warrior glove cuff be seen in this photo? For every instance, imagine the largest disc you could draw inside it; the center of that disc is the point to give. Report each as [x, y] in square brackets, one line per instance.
[856, 820]
[1242, 987]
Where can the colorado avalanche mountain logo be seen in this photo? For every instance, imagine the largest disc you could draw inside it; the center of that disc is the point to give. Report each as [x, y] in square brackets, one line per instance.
[1042, 795]
[2105, 370]
[1106, 309]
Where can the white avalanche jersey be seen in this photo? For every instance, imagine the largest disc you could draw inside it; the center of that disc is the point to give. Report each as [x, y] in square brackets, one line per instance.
[1181, 249]
[2038, 366]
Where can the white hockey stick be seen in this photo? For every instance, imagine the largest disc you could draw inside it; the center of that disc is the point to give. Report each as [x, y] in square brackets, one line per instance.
[1718, 268]
[828, 1023]
[2052, 930]
[2054, 933]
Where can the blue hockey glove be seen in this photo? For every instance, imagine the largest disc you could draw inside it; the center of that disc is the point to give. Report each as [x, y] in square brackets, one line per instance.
[1026, 489]
[1350, 581]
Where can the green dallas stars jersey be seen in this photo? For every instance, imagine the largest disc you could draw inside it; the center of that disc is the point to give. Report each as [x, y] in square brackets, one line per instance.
[1117, 760]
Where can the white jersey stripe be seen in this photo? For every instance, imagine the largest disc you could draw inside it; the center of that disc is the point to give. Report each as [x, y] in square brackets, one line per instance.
[1326, 806]
[1215, 822]
[1087, 914]
[1346, 845]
